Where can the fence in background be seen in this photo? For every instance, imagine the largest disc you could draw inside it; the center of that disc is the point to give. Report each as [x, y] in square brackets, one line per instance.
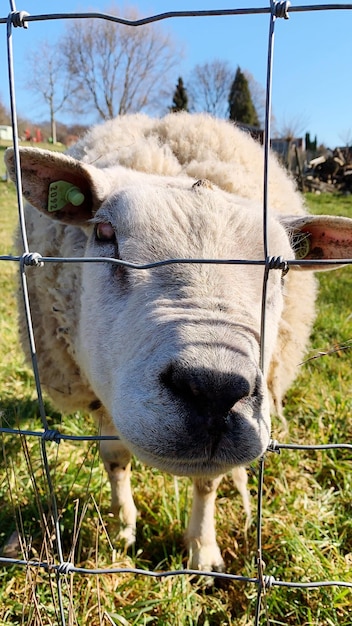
[59, 567]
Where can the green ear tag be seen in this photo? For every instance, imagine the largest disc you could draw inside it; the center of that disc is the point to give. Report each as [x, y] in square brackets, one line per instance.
[62, 193]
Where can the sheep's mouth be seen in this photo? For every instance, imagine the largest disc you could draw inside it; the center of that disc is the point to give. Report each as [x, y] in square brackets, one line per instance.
[209, 463]
[209, 452]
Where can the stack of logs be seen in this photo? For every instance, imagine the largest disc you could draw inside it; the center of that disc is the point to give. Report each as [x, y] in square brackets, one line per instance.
[330, 174]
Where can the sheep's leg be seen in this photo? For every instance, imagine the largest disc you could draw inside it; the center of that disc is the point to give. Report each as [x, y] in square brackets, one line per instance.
[201, 536]
[117, 462]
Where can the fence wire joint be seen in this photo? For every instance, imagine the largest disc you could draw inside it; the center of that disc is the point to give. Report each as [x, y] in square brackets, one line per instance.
[281, 9]
[277, 263]
[268, 581]
[65, 567]
[51, 435]
[33, 259]
[274, 446]
[18, 19]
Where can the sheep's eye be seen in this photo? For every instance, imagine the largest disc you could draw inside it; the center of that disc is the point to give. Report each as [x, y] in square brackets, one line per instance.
[105, 232]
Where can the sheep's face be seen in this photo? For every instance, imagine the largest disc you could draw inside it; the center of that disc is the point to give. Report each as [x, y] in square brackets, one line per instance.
[173, 352]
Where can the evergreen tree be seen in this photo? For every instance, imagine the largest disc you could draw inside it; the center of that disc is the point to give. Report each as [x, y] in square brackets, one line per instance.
[241, 107]
[311, 145]
[180, 98]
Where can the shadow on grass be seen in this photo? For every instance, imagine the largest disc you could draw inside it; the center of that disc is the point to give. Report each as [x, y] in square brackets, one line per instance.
[22, 414]
[14, 413]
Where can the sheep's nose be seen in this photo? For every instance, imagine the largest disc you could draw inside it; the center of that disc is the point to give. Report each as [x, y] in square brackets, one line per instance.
[210, 394]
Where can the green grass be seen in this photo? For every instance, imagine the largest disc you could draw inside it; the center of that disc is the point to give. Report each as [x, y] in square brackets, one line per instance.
[307, 516]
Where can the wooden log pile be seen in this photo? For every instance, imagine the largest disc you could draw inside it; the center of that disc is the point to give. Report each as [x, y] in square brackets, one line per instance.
[328, 174]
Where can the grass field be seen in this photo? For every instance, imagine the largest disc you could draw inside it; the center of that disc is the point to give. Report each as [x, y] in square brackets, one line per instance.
[307, 517]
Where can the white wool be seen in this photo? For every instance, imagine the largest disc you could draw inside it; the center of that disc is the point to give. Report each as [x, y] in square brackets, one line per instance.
[110, 340]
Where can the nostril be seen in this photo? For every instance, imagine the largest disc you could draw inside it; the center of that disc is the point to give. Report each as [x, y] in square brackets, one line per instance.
[211, 393]
[180, 381]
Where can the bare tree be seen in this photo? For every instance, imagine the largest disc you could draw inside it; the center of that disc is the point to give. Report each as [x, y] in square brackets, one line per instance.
[294, 127]
[258, 95]
[209, 86]
[5, 117]
[346, 137]
[47, 79]
[115, 69]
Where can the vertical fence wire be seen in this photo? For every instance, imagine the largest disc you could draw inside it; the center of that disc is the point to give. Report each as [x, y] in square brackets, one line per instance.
[260, 574]
[23, 281]
[62, 568]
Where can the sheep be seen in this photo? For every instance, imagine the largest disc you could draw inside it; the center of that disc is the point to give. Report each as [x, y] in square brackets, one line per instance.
[168, 358]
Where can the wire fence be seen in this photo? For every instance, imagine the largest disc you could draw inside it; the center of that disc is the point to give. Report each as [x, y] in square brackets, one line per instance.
[56, 564]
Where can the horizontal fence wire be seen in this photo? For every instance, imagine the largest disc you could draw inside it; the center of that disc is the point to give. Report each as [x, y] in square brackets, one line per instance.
[277, 9]
[57, 436]
[270, 262]
[18, 19]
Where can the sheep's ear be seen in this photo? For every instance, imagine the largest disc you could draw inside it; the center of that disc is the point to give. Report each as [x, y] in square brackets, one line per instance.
[320, 237]
[58, 185]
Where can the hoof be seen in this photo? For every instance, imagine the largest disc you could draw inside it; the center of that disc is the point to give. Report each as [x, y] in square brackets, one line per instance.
[206, 558]
[127, 536]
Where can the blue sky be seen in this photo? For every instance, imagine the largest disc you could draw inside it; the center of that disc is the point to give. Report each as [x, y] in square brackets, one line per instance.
[312, 80]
